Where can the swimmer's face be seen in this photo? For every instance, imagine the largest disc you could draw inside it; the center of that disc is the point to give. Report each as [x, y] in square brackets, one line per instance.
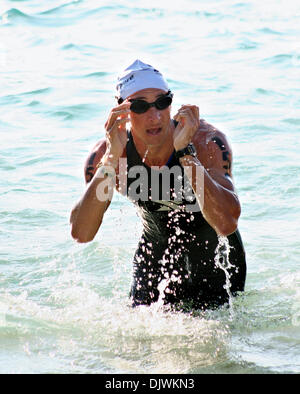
[152, 126]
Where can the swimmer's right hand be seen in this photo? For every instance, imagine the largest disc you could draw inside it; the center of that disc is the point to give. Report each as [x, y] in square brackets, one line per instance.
[116, 134]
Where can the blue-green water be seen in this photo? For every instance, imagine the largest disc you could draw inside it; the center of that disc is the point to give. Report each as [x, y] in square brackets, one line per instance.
[64, 306]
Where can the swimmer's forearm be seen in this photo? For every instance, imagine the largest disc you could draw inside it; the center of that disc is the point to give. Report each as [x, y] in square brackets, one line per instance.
[219, 205]
[87, 215]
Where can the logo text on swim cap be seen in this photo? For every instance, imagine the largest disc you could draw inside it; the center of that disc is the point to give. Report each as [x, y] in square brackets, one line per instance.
[127, 80]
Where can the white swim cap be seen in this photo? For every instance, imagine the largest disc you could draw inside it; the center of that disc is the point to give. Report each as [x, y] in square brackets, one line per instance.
[139, 76]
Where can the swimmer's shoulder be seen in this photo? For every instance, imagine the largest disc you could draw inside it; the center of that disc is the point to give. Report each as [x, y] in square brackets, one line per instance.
[212, 146]
[207, 134]
[93, 159]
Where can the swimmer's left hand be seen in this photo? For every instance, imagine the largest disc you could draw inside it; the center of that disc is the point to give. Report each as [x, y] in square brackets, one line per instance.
[188, 123]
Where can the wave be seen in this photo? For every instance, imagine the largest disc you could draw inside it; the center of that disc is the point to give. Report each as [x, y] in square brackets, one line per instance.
[72, 12]
[74, 111]
[293, 121]
[16, 98]
[10, 99]
[28, 215]
[29, 162]
[280, 58]
[60, 8]
[15, 17]
[37, 91]
[248, 44]
[19, 98]
[268, 30]
[84, 49]
[96, 74]
[77, 11]
[269, 92]
[55, 17]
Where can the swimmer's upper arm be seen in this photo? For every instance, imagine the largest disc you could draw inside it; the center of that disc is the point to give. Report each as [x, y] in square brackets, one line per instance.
[93, 159]
[219, 160]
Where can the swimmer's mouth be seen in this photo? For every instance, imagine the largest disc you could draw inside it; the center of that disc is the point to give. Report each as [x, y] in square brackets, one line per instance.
[154, 131]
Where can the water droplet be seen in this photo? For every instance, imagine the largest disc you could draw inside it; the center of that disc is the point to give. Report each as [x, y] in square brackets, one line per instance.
[145, 155]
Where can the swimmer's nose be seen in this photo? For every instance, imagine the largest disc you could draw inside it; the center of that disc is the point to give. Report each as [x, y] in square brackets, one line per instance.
[154, 114]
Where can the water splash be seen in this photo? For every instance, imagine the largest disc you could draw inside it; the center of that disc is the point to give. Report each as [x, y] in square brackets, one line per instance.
[162, 287]
[174, 243]
[145, 155]
[222, 261]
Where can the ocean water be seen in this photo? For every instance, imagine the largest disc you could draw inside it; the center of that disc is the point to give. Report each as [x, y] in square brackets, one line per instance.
[64, 306]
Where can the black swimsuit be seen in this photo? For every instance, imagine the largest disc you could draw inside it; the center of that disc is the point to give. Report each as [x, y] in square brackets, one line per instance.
[175, 258]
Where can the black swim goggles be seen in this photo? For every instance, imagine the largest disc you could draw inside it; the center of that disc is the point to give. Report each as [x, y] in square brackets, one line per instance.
[142, 106]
